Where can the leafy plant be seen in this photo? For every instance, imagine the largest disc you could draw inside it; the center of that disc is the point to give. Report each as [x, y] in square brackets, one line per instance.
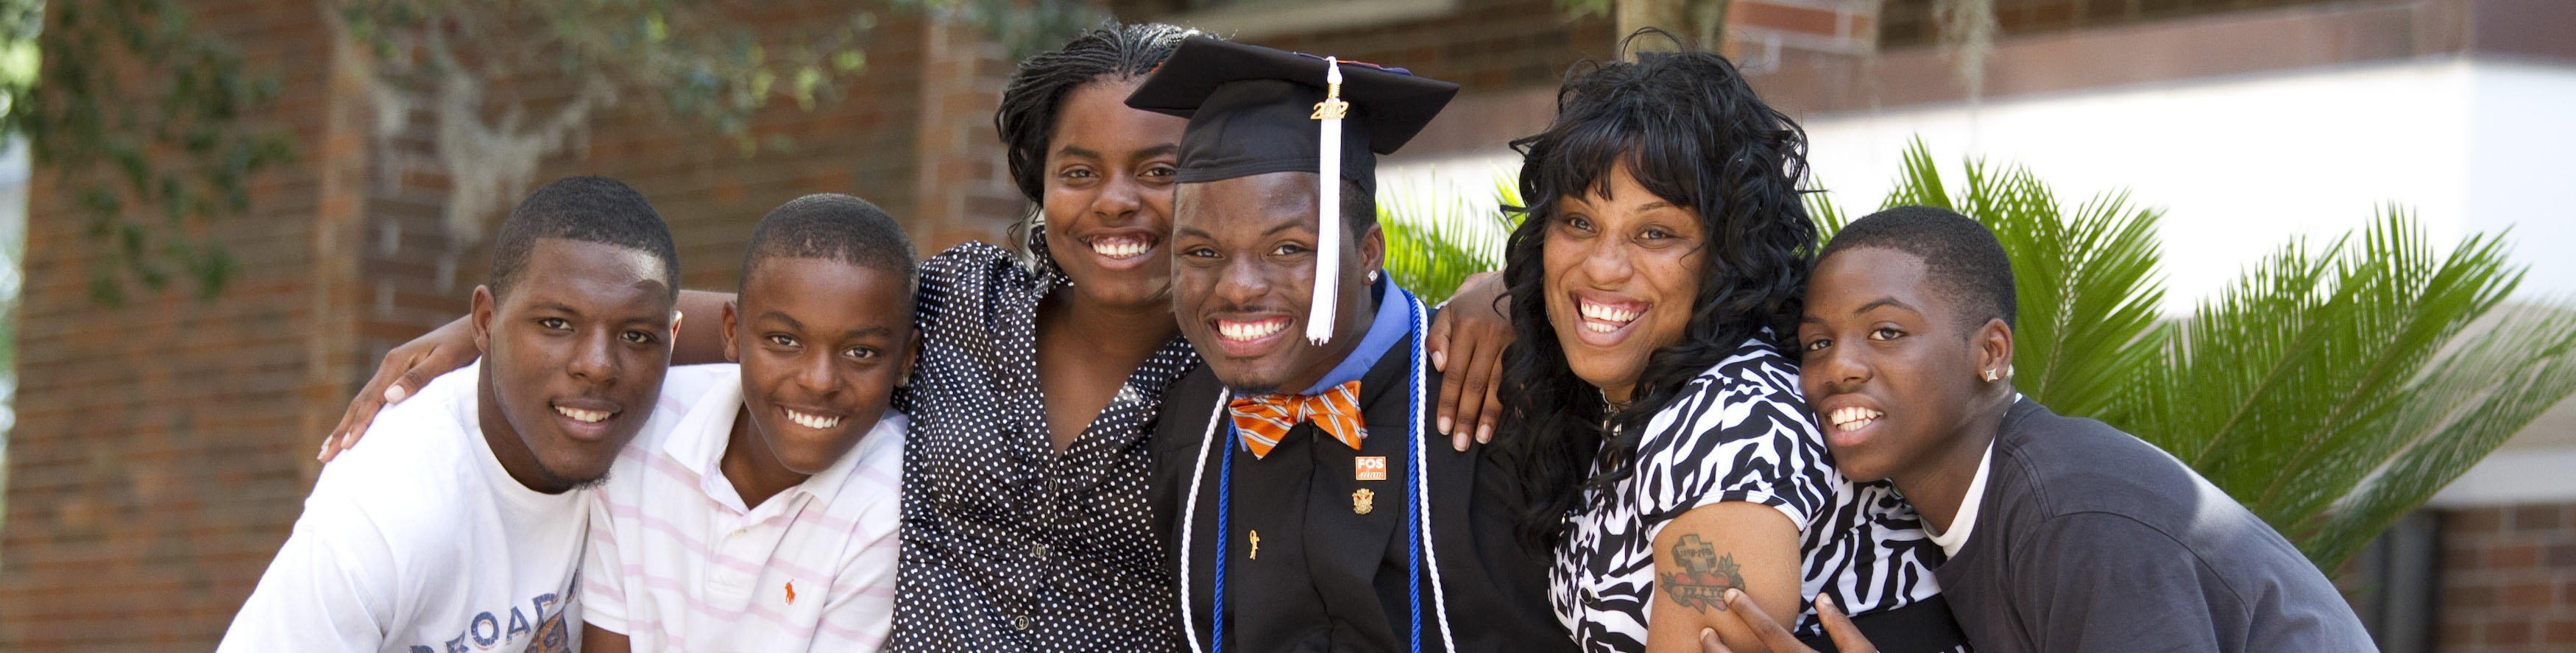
[1433, 243]
[2332, 389]
[150, 121]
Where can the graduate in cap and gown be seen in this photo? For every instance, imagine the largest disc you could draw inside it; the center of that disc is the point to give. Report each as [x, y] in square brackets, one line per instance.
[1307, 505]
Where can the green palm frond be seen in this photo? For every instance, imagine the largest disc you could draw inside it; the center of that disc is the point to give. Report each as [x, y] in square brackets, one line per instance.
[2330, 389]
[2287, 391]
[1828, 217]
[1433, 243]
[2478, 395]
[2086, 283]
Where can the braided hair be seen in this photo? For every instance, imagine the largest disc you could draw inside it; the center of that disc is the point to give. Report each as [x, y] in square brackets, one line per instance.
[1689, 130]
[1030, 104]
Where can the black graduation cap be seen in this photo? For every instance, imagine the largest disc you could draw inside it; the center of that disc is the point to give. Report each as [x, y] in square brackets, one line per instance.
[1255, 110]
[1252, 108]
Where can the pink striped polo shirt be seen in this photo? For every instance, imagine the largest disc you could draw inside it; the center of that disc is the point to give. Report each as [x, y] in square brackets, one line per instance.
[678, 563]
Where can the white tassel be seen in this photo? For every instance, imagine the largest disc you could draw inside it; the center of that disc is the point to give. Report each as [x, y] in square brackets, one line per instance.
[1328, 203]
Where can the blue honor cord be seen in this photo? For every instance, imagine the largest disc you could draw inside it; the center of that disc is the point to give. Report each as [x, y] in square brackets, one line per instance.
[1412, 510]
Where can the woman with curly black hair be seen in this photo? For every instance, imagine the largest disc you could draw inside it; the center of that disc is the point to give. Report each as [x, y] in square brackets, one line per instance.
[1653, 408]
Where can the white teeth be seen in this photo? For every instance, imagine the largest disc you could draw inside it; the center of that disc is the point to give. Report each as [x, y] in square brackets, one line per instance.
[1120, 247]
[1852, 418]
[1249, 330]
[811, 421]
[1609, 313]
[579, 415]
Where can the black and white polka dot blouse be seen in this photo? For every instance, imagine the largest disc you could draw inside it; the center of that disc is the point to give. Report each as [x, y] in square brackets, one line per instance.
[1008, 546]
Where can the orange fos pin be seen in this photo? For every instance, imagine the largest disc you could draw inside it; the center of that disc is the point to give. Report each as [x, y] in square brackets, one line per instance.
[1371, 468]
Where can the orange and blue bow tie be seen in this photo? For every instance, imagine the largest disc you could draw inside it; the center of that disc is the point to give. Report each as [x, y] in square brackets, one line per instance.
[1267, 418]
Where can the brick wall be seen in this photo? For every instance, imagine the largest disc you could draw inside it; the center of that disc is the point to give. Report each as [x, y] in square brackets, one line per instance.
[2508, 580]
[163, 447]
[963, 181]
[860, 143]
[1486, 46]
[1910, 22]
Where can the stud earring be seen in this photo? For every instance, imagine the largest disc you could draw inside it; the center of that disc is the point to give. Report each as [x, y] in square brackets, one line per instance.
[1372, 276]
[1990, 376]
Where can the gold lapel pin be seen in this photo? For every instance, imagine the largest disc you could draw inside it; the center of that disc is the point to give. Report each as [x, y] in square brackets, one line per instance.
[1363, 501]
[1256, 546]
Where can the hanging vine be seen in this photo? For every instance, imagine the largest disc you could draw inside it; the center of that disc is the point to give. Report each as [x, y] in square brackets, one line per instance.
[147, 119]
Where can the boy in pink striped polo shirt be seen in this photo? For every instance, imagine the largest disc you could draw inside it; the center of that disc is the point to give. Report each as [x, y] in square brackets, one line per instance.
[765, 519]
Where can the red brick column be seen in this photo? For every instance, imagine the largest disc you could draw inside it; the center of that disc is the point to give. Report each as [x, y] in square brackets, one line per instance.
[2508, 579]
[163, 446]
[961, 177]
[1767, 35]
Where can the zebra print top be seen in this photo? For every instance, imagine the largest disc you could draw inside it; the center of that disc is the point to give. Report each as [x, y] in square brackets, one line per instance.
[1737, 432]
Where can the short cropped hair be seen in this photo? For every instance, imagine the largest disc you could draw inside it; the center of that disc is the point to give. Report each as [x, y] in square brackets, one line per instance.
[587, 209]
[834, 227]
[1962, 259]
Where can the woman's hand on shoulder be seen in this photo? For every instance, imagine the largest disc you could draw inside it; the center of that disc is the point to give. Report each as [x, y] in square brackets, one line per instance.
[1471, 333]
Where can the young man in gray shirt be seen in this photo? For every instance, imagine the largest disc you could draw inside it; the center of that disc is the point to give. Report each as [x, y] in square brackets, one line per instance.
[2063, 533]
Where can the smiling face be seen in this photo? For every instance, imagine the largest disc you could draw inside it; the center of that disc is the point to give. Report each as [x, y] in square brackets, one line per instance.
[1622, 273]
[822, 343]
[1890, 366]
[573, 359]
[1244, 274]
[1109, 195]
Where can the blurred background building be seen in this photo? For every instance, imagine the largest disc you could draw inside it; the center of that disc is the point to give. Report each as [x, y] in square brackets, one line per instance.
[163, 443]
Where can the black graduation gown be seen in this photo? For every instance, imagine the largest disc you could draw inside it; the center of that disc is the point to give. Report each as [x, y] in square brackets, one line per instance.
[1326, 577]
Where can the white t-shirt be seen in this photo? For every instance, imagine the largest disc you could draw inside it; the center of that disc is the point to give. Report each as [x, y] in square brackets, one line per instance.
[678, 563]
[417, 541]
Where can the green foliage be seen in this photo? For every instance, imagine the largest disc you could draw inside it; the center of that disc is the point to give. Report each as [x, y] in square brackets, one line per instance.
[150, 122]
[702, 60]
[2310, 382]
[2087, 293]
[1432, 244]
[155, 124]
[1021, 28]
[2332, 389]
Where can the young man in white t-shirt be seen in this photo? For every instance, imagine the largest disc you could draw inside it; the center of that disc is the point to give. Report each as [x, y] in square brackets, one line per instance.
[765, 518]
[461, 528]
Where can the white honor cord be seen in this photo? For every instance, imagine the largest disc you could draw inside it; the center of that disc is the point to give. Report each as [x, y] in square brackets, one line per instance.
[1189, 519]
[1328, 231]
[1422, 475]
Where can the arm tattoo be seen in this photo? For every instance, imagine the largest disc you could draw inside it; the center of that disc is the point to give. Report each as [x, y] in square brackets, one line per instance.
[1704, 578]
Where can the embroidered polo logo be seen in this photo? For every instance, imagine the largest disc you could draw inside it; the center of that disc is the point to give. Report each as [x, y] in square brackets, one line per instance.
[791, 592]
[1370, 468]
